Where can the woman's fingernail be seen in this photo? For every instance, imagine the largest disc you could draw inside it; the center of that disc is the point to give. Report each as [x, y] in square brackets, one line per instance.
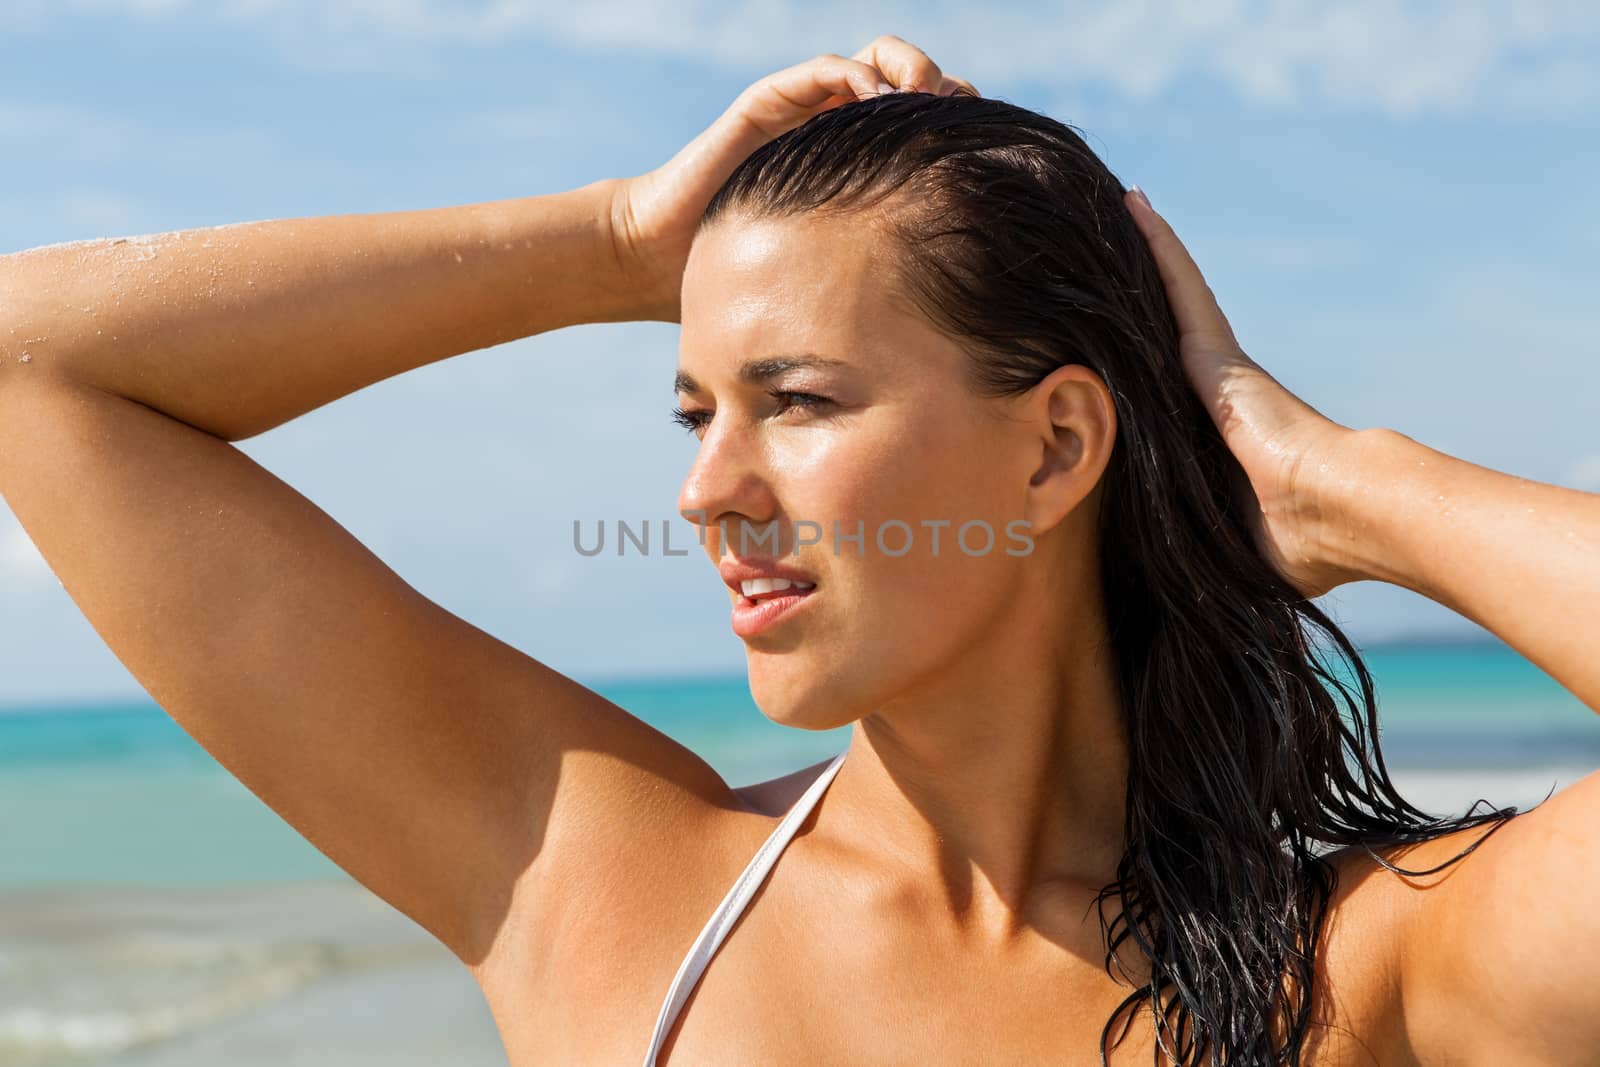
[885, 87]
[1136, 191]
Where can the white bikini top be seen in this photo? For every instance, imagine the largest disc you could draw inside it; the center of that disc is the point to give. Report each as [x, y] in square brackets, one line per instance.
[722, 920]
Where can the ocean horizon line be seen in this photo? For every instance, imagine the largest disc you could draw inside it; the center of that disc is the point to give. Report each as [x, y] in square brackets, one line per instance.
[134, 701]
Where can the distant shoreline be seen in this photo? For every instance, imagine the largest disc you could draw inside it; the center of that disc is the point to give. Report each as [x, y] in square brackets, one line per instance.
[1408, 641]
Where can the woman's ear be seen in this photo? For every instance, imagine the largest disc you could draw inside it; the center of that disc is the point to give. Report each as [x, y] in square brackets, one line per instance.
[1073, 426]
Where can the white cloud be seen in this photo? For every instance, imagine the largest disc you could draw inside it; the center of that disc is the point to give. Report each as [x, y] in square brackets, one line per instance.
[1400, 59]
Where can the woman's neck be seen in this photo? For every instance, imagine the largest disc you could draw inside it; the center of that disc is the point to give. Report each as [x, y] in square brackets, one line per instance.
[1002, 779]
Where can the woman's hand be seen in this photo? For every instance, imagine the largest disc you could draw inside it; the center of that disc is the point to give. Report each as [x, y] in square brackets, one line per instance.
[1292, 454]
[654, 215]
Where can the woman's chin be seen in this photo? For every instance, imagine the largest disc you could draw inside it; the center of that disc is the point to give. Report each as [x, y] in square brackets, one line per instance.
[802, 699]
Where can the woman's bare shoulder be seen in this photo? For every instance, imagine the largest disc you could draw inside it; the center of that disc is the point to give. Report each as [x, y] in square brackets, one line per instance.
[589, 950]
[1370, 925]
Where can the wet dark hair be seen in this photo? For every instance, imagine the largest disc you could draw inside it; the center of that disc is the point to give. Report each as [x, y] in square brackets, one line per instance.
[1244, 770]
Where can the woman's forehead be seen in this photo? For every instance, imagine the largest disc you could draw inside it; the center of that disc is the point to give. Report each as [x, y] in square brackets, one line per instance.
[762, 266]
[778, 288]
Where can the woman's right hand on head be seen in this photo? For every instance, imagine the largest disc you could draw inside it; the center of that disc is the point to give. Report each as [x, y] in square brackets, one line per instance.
[654, 215]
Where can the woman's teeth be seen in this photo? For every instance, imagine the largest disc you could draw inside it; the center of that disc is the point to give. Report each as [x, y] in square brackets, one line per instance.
[754, 587]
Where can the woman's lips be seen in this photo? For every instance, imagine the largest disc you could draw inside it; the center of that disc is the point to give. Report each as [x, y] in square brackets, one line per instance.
[752, 617]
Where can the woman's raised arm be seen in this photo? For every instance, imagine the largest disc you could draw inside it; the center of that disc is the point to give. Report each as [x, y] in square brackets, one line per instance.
[455, 776]
[1494, 955]
[236, 329]
[433, 762]
[1518, 557]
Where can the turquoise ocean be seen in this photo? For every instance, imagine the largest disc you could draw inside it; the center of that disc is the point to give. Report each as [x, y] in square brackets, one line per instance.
[154, 912]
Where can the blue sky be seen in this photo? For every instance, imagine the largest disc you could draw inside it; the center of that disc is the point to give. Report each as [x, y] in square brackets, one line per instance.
[1394, 203]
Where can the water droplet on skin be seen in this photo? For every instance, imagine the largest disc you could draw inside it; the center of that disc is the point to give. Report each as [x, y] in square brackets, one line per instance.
[25, 358]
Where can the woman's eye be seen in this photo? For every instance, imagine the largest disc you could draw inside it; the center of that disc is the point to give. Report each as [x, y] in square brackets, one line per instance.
[802, 400]
[693, 421]
[696, 421]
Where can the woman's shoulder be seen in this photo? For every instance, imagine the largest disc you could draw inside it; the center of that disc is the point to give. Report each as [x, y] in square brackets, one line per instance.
[654, 878]
[1372, 921]
[632, 898]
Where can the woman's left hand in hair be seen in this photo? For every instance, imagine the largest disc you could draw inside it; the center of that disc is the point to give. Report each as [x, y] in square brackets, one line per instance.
[1292, 454]
[654, 216]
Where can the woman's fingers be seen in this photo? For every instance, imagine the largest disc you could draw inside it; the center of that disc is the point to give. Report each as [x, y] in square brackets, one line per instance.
[952, 83]
[657, 214]
[1194, 305]
[781, 101]
[1235, 389]
[784, 100]
[904, 64]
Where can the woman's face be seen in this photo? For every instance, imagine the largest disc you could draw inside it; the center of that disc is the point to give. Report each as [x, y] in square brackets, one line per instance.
[897, 449]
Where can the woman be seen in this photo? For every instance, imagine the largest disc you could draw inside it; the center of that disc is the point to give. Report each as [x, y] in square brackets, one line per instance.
[1093, 769]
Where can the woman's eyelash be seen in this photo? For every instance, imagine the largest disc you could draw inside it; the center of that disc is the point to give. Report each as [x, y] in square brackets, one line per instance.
[807, 400]
[690, 420]
[696, 420]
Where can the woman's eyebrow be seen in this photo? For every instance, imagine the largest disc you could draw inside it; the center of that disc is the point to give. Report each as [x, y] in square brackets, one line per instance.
[757, 371]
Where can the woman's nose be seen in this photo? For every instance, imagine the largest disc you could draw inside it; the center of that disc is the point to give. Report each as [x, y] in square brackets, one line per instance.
[726, 481]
